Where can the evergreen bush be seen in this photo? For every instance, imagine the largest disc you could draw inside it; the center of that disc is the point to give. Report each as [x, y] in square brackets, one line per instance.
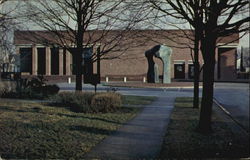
[106, 102]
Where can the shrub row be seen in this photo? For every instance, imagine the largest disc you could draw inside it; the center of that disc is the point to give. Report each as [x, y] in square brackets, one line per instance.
[34, 88]
[88, 102]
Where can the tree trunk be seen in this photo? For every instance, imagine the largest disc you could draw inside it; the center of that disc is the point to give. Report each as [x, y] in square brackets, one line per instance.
[196, 85]
[207, 98]
[208, 51]
[196, 72]
[79, 43]
[78, 70]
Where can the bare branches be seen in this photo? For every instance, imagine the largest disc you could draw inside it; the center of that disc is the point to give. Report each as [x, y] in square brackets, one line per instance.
[70, 20]
[76, 24]
[7, 24]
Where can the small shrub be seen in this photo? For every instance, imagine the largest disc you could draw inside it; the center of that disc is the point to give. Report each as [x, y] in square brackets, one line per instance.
[36, 88]
[50, 90]
[76, 102]
[106, 102]
[81, 103]
[88, 102]
[37, 82]
[26, 93]
[7, 88]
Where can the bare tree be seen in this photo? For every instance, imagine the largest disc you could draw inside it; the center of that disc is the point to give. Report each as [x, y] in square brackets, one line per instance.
[218, 22]
[192, 15]
[75, 24]
[211, 20]
[7, 25]
[2, 36]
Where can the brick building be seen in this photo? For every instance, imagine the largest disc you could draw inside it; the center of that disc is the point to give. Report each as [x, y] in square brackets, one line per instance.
[56, 63]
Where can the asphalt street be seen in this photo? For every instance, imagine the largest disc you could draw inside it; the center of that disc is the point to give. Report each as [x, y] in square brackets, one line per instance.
[158, 92]
[234, 97]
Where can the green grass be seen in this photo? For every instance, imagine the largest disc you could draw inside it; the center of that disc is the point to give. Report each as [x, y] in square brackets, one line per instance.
[184, 102]
[138, 100]
[182, 141]
[33, 130]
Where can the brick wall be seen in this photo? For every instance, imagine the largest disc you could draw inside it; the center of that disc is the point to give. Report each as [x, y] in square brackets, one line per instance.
[129, 53]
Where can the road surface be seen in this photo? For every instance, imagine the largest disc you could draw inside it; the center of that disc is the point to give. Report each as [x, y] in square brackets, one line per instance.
[235, 99]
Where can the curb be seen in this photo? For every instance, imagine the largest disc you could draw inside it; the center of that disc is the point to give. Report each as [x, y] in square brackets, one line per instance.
[171, 87]
[188, 87]
[228, 114]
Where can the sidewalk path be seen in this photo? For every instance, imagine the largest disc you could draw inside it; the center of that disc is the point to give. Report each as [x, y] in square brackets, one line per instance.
[141, 138]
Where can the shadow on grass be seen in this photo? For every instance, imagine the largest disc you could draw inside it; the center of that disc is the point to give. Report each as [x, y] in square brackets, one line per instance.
[85, 117]
[73, 115]
[32, 129]
[10, 109]
[91, 130]
[183, 141]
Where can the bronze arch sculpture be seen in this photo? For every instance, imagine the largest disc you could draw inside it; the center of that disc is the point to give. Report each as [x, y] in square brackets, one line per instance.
[164, 53]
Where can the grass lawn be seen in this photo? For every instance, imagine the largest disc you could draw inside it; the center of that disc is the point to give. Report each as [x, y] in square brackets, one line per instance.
[133, 100]
[182, 141]
[30, 130]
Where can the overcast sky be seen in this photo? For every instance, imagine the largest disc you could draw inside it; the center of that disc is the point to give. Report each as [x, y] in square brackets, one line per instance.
[152, 24]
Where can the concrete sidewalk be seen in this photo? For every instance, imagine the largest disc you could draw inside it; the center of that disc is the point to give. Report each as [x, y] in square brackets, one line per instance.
[141, 138]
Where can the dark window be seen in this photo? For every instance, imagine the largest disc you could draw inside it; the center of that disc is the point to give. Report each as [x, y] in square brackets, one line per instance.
[179, 71]
[41, 61]
[54, 61]
[64, 62]
[73, 65]
[190, 71]
[26, 60]
[88, 65]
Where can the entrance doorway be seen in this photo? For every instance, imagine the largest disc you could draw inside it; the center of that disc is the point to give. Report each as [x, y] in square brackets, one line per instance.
[226, 69]
[179, 71]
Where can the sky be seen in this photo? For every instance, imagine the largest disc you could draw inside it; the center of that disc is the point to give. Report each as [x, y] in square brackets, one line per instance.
[152, 24]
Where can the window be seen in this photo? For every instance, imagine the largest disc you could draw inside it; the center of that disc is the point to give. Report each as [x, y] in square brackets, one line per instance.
[41, 61]
[54, 61]
[190, 71]
[179, 71]
[26, 60]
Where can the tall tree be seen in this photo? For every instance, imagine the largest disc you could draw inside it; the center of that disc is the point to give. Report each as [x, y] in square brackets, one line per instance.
[191, 13]
[7, 25]
[4, 43]
[211, 20]
[219, 21]
[79, 23]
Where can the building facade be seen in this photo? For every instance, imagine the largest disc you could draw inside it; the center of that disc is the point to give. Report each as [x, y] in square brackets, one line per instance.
[57, 63]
